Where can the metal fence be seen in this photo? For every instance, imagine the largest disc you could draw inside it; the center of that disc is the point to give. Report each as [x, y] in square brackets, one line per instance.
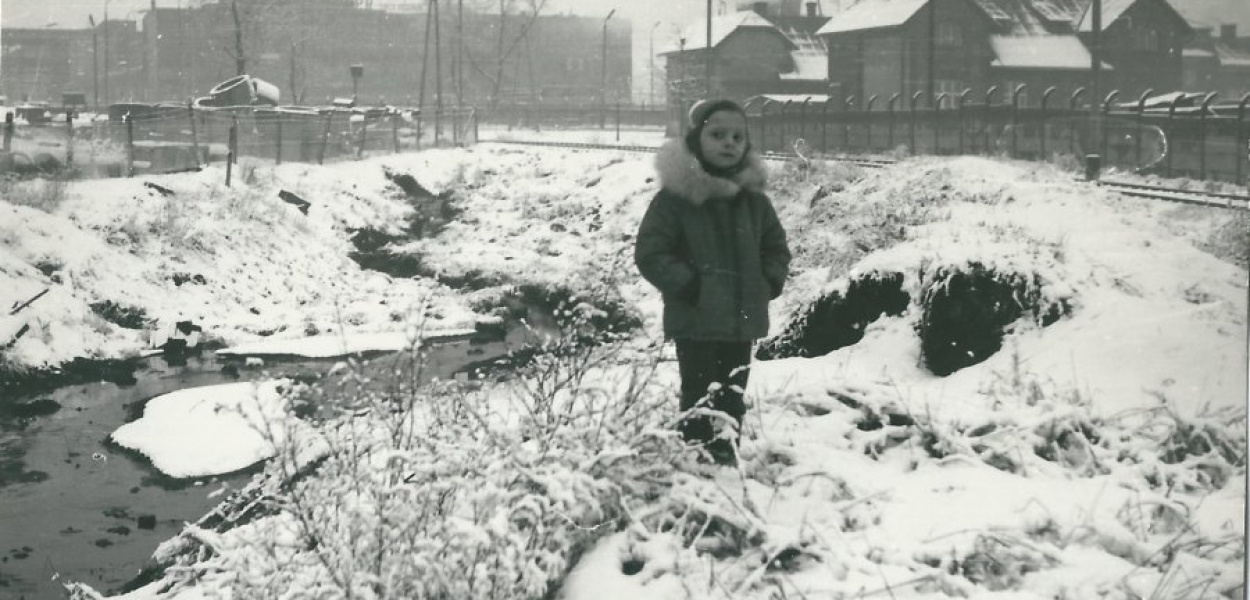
[136, 139]
[611, 116]
[1189, 135]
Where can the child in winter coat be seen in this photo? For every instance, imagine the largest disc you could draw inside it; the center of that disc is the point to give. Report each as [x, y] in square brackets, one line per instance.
[712, 244]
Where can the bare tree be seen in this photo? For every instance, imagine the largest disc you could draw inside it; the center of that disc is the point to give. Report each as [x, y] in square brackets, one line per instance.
[506, 44]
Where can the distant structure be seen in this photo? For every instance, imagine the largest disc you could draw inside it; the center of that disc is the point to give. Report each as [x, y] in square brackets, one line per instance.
[1217, 58]
[307, 47]
[942, 47]
[759, 48]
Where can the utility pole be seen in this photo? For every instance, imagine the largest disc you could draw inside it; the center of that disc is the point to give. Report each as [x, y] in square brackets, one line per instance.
[651, 61]
[107, 65]
[460, 53]
[603, 74]
[153, 39]
[438, 72]
[708, 61]
[932, 50]
[425, 52]
[95, 65]
[1095, 67]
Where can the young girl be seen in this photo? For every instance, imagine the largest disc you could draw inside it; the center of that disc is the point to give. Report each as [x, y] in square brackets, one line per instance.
[712, 244]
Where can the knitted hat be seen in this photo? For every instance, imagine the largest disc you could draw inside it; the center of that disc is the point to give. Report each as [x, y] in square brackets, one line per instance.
[703, 109]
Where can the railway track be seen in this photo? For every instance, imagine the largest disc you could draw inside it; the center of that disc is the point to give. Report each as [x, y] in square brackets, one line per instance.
[1215, 199]
[775, 156]
[1198, 197]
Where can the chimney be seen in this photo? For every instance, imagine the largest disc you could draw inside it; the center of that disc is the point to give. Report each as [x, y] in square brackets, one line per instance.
[1228, 32]
[811, 8]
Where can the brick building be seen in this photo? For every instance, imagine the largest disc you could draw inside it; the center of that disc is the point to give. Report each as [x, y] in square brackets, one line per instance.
[883, 47]
[762, 48]
[306, 48]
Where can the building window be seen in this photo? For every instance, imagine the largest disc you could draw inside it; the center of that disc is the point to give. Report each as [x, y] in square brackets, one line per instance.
[950, 35]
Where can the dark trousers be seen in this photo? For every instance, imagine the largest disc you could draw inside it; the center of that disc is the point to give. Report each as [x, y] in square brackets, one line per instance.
[701, 364]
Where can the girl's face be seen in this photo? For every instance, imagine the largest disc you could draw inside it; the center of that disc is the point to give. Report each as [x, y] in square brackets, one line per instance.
[724, 138]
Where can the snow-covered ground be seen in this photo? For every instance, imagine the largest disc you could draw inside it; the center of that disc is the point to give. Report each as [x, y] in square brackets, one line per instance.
[1101, 456]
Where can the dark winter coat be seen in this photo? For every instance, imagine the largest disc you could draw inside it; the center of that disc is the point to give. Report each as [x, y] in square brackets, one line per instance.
[713, 247]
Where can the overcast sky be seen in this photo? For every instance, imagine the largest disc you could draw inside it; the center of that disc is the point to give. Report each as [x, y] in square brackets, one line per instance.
[72, 14]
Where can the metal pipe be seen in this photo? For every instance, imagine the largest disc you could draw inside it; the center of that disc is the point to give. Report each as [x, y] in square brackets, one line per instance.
[1141, 117]
[1044, 132]
[1015, 120]
[1202, 134]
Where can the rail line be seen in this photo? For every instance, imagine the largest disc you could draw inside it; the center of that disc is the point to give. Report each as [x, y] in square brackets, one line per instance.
[1198, 197]
[777, 156]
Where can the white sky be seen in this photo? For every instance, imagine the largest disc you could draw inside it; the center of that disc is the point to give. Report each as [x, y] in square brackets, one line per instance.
[74, 13]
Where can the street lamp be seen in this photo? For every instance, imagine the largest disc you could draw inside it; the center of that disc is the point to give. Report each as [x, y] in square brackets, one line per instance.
[651, 61]
[708, 66]
[603, 74]
[95, 65]
[105, 23]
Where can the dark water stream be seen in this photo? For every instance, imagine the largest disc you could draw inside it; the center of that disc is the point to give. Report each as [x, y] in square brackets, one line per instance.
[74, 506]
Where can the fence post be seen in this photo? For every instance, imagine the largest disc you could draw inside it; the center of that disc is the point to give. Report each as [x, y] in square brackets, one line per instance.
[1076, 95]
[1171, 130]
[195, 136]
[8, 131]
[914, 99]
[824, 126]
[238, 136]
[1141, 117]
[989, 110]
[618, 120]
[69, 145]
[963, 125]
[232, 145]
[846, 123]
[889, 122]
[418, 115]
[1015, 120]
[1241, 149]
[130, 145]
[868, 122]
[473, 116]
[803, 117]
[937, 120]
[1106, 110]
[1202, 134]
[364, 132]
[277, 155]
[395, 133]
[325, 138]
[781, 141]
[1044, 128]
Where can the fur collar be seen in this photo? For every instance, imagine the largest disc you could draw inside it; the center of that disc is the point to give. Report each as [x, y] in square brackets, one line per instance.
[681, 173]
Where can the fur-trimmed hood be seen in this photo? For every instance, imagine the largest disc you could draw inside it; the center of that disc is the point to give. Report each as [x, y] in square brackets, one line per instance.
[681, 173]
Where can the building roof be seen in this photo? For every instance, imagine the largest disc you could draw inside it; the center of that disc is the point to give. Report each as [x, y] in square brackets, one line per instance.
[695, 35]
[1111, 10]
[872, 14]
[1040, 52]
[1213, 13]
[1233, 54]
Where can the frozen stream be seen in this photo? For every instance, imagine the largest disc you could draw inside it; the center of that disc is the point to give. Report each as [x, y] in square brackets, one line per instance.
[74, 505]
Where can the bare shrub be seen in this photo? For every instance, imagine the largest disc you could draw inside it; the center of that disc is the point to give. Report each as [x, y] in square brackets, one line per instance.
[45, 194]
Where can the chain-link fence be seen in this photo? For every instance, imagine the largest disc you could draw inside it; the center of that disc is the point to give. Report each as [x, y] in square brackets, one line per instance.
[133, 139]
